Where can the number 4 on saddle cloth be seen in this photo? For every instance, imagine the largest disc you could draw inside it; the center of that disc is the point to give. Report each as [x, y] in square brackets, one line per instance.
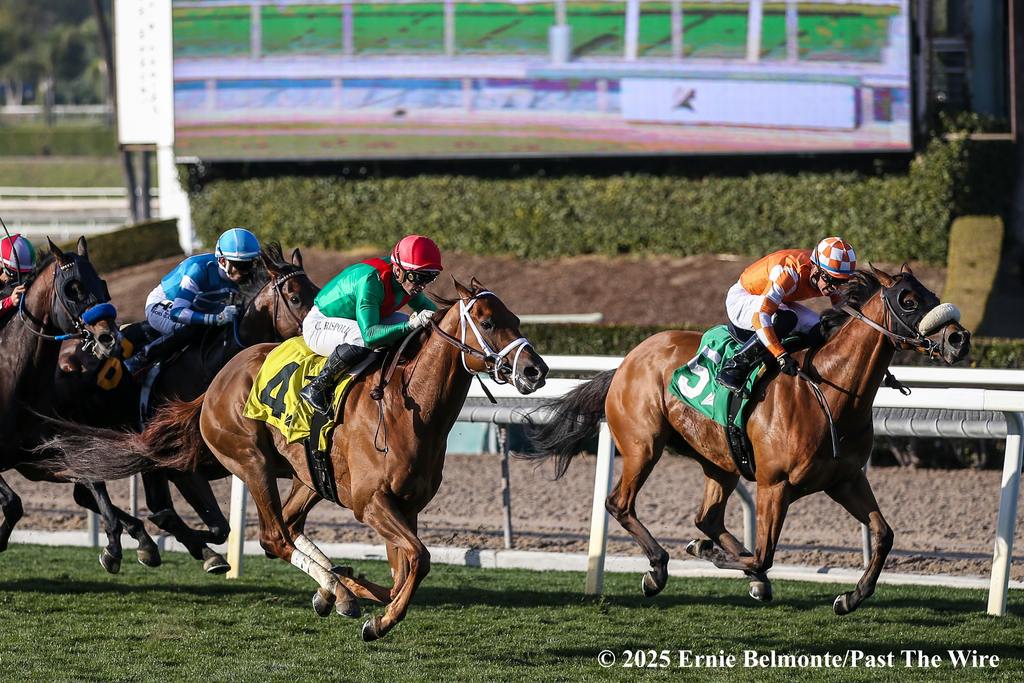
[275, 399]
[694, 384]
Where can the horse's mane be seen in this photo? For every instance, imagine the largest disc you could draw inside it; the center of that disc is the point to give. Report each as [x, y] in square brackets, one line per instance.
[855, 292]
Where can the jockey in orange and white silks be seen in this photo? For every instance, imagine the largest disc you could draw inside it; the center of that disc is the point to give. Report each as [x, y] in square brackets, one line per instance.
[765, 300]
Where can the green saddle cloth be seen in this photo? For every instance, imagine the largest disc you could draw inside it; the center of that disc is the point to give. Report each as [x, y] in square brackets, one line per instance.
[694, 383]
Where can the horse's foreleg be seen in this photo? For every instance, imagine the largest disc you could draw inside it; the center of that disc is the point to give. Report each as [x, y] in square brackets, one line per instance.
[772, 505]
[640, 453]
[96, 492]
[148, 552]
[382, 513]
[10, 506]
[165, 517]
[858, 499]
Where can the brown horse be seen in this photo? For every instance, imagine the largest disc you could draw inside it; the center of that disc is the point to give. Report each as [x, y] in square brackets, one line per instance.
[788, 429]
[63, 295]
[387, 457]
[274, 304]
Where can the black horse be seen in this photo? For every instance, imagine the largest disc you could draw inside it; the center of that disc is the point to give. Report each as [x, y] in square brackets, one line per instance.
[65, 297]
[99, 393]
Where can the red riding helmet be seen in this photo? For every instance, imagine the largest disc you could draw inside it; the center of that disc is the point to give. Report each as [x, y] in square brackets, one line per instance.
[416, 252]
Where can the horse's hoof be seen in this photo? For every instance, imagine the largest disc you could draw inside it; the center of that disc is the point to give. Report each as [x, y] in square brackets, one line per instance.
[216, 564]
[841, 606]
[698, 547]
[348, 607]
[109, 562]
[149, 557]
[371, 629]
[323, 602]
[649, 585]
[761, 591]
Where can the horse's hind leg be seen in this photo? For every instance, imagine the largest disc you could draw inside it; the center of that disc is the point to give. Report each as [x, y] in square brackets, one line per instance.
[718, 486]
[10, 506]
[165, 517]
[197, 492]
[110, 558]
[640, 453]
[148, 552]
[858, 499]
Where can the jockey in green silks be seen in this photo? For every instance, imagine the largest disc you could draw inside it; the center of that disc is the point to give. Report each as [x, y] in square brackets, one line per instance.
[358, 311]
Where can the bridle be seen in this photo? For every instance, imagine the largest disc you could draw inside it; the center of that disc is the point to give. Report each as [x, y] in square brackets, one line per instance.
[495, 362]
[278, 284]
[80, 330]
[917, 338]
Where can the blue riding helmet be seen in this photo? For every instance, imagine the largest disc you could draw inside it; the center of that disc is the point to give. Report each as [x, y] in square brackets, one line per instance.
[238, 244]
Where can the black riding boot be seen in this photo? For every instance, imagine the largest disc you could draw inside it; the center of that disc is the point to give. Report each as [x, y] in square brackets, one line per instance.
[734, 373]
[320, 390]
[161, 349]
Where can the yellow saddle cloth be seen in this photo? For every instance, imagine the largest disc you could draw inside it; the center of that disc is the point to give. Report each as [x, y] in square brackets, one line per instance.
[275, 399]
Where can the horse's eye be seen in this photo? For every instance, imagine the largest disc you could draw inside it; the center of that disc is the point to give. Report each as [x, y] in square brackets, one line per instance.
[73, 291]
[908, 302]
[295, 301]
[487, 325]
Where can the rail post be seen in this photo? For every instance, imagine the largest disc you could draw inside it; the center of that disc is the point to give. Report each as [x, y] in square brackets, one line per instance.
[1007, 519]
[599, 516]
[236, 537]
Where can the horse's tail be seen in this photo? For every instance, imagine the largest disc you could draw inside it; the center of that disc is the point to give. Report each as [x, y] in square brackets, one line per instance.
[83, 453]
[572, 420]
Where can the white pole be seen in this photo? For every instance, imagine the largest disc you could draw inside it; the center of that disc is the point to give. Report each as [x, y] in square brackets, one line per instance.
[506, 486]
[449, 28]
[1007, 519]
[255, 31]
[236, 538]
[133, 495]
[94, 528]
[792, 31]
[754, 16]
[677, 29]
[632, 31]
[347, 33]
[599, 516]
[749, 518]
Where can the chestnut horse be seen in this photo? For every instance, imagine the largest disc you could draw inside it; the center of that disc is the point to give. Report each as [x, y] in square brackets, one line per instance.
[62, 289]
[273, 307]
[387, 456]
[787, 427]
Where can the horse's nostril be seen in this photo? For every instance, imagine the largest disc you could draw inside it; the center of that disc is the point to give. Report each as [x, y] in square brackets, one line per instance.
[531, 372]
[106, 339]
[956, 339]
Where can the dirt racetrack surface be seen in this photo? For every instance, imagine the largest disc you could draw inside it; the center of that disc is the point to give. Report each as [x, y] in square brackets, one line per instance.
[944, 521]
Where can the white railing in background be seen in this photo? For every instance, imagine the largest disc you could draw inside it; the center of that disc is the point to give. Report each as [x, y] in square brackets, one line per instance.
[965, 389]
[7, 192]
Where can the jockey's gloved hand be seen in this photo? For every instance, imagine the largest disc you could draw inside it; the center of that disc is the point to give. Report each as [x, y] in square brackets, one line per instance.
[420, 319]
[787, 365]
[229, 314]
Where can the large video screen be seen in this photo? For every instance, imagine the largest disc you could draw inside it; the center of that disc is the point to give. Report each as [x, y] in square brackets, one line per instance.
[376, 79]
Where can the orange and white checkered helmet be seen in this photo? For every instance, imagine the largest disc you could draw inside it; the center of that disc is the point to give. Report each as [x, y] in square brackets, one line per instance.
[836, 257]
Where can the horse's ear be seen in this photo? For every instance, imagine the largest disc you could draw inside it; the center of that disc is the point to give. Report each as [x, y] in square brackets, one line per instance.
[476, 285]
[461, 289]
[905, 268]
[83, 248]
[297, 258]
[57, 253]
[882, 276]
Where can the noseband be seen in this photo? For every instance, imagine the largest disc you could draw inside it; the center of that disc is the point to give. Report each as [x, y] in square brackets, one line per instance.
[494, 361]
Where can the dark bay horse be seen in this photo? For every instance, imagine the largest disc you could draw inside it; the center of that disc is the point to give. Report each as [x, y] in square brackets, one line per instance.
[62, 289]
[787, 427]
[100, 393]
[388, 457]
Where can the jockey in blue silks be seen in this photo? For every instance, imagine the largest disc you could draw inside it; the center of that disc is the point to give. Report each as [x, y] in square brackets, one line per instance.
[196, 294]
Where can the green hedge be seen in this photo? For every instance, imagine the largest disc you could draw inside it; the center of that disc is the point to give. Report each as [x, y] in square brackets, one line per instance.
[618, 340]
[40, 140]
[131, 245]
[890, 218]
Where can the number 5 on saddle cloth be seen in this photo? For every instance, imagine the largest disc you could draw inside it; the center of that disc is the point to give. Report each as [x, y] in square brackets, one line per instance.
[275, 399]
[694, 384]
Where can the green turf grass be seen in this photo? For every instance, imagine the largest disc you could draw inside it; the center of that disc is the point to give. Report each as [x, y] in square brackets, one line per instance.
[64, 619]
[64, 172]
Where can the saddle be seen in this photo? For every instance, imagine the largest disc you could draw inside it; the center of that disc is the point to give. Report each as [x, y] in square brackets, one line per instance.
[275, 399]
